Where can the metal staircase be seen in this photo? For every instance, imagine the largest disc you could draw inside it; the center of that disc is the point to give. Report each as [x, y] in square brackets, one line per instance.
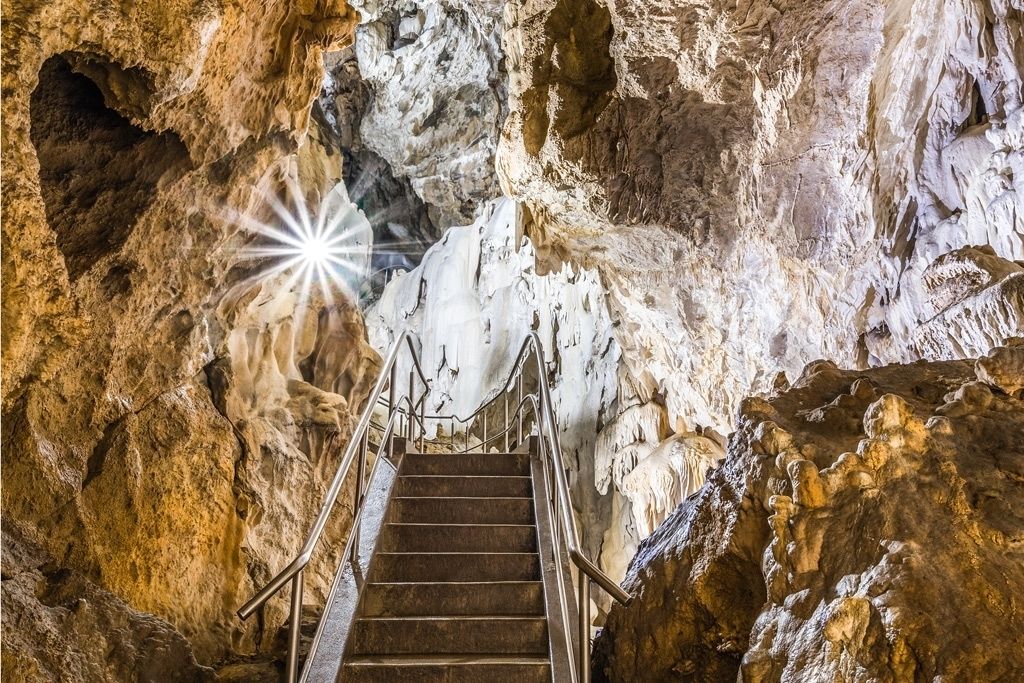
[459, 563]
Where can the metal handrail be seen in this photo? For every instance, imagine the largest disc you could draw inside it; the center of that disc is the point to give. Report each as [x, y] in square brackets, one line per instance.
[357, 445]
[414, 416]
[561, 504]
[352, 544]
[532, 343]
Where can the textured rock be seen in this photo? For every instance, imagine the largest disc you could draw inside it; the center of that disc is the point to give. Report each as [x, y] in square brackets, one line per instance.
[59, 626]
[437, 98]
[864, 526]
[721, 192]
[1003, 367]
[401, 223]
[762, 184]
[131, 449]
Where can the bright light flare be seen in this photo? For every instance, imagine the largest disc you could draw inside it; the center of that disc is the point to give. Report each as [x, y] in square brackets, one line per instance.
[329, 246]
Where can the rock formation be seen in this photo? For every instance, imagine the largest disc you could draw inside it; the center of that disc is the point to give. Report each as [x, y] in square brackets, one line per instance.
[688, 201]
[401, 224]
[68, 629]
[865, 525]
[760, 185]
[163, 441]
[437, 98]
[729, 173]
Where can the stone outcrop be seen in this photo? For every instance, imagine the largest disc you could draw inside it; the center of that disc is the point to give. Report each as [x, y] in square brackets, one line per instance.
[863, 526]
[401, 223]
[163, 440]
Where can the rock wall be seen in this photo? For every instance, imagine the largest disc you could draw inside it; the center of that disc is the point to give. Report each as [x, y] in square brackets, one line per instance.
[401, 223]
[864, 526]
[763, 184]
[68, 629]
[163, 441]
[436, 98]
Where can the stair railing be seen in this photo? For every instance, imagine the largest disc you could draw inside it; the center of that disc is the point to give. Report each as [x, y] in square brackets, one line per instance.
[565, 531]
[407, 420]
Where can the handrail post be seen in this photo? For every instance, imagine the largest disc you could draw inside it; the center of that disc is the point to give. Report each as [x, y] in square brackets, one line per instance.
[295, 629]
[392, 407]
[584, 635]
[392, 403]
[412, 410]
[423, 420]
[485, 430]
[360, 470]
[519, 413]
[506, 422]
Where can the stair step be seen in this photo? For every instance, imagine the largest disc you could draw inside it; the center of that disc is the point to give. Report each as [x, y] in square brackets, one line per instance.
[505, 464]
[504, 598]
[463, 510]
[498, 538]
[449, 669]
[429, 567]
[449, 635]
[447, 485]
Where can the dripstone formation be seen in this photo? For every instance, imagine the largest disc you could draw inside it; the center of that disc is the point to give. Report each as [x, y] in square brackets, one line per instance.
[689, 202]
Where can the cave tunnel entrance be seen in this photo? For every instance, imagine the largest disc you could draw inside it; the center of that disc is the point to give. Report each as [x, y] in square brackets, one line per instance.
[97, 171]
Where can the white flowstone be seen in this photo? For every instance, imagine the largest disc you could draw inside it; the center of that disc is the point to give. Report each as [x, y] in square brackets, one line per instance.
[471, 301]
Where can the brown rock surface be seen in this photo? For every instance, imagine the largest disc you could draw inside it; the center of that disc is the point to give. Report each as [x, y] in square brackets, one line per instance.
[135, 448]
[864, 526]
[59, 626]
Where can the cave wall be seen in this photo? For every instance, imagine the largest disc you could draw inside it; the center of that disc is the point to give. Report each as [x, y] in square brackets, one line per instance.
[400, 220]
[762, 184]
[737, 188]
[437, 98]
[138, 456]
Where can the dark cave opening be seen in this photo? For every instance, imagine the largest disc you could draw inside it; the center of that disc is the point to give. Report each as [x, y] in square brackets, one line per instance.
[979, 112]
[97, 171]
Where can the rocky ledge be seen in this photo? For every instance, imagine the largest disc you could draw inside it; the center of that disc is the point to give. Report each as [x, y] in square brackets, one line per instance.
[865, 525]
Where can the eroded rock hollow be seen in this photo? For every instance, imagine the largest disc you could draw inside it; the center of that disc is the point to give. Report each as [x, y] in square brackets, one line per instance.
[774, 254]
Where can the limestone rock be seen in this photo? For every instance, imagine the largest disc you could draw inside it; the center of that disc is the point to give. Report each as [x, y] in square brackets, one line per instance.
[133, 135]
[760, 185]
[401, 222]
[59, 626]
[873, 541]
[1003, 367]
[437, 98]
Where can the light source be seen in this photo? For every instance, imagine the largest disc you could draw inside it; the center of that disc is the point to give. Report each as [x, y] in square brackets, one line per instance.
[329, 245]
